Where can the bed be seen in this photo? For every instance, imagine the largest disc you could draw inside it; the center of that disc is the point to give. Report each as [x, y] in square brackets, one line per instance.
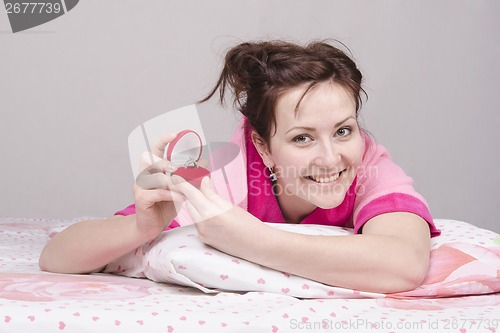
[462, 297]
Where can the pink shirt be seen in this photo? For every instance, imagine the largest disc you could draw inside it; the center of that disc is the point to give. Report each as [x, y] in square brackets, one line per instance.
[379, 187]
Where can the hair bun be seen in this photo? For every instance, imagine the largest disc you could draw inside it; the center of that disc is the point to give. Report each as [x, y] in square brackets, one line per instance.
[258, 72]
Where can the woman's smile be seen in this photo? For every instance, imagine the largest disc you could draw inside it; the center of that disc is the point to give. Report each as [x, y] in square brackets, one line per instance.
[325, 178]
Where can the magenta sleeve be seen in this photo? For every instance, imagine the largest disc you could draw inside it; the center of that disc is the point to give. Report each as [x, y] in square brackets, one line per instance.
[129, 210]
[395, 202]
[383, 187]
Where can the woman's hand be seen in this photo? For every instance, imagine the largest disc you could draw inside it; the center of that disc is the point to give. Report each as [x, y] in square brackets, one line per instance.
[156, 205]
[219, 223]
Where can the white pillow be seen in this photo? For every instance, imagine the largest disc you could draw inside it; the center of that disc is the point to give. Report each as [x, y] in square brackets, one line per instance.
[178, 256]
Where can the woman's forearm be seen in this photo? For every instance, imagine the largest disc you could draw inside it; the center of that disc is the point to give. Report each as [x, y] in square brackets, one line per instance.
[376, 263]
[88, 246]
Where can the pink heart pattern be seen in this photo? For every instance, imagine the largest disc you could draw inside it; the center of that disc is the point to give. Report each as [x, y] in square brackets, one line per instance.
[171, 308]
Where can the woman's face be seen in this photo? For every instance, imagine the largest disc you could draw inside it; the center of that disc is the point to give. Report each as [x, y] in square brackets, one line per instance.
[316, 151]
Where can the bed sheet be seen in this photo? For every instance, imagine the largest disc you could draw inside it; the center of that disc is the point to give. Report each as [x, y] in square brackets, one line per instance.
[31, 300]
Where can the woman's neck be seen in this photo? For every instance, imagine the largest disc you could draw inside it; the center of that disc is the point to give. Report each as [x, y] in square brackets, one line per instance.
[293, 208]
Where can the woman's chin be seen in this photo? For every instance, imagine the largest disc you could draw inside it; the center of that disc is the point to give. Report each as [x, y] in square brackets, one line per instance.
[327, 202]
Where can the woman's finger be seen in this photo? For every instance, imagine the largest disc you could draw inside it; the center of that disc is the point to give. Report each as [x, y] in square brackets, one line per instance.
[160, 167]
[146, 160]
[149, 197]
[151, 164]
[210, 194]
[152, 181]
[192, 194]
[158, 149]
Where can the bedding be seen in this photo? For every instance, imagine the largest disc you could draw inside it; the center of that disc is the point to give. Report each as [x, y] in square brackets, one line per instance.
[463, 262]
[460, 293]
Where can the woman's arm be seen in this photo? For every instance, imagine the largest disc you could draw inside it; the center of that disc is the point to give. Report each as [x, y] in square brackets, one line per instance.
[392, 254]
[88, 246]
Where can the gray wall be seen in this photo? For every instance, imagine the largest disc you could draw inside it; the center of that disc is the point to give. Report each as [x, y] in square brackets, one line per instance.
[73, 89]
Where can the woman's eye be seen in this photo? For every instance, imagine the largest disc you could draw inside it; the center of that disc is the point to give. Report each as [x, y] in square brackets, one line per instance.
[302, 139]
[345, 131]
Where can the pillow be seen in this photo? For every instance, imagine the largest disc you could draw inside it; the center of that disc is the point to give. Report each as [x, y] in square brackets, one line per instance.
[465, 260]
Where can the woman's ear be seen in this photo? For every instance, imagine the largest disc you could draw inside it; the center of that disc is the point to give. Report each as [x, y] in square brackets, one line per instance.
[263, 149]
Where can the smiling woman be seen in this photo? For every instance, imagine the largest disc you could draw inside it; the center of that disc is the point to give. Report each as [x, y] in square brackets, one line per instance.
[314, 152]
[308, 161]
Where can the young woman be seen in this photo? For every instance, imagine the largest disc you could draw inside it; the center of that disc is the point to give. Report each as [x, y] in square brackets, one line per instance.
[308, 161]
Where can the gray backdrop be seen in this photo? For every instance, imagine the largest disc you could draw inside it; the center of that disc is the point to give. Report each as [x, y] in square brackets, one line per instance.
[72, 90]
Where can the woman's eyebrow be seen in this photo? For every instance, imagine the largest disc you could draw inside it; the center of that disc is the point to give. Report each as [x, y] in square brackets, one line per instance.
[308, 129]
[312, 129]
[343, 121]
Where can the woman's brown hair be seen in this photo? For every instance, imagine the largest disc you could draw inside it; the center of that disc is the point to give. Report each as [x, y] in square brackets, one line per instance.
[257, 73]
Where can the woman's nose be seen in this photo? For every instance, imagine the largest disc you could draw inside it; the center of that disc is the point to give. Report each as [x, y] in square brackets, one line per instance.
[327, 156]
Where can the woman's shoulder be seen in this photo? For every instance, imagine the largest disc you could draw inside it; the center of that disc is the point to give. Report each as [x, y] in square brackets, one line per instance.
[374, 152]
[378, 170]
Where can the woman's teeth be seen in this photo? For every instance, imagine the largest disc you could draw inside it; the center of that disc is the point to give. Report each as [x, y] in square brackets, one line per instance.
[324, 179]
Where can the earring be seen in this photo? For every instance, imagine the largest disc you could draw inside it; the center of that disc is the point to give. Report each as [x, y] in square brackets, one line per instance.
[272, 175]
